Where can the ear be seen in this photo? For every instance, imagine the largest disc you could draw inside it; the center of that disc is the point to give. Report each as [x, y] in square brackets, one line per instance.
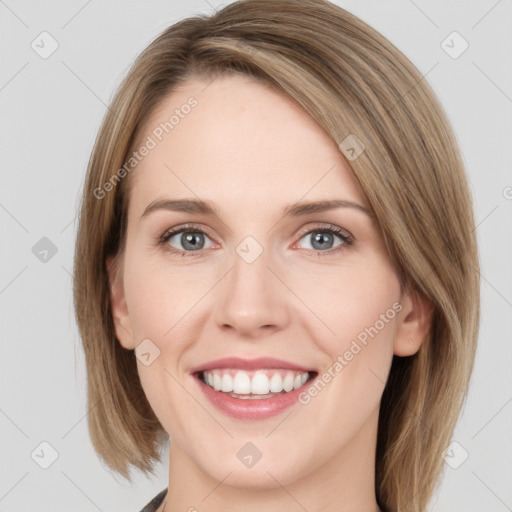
[414, 323]
[118, 306]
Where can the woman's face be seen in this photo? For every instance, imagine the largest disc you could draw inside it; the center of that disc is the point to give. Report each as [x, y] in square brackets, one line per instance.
[249, 281]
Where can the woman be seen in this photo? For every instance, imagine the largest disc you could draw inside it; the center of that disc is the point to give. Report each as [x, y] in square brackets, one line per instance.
[285, 373]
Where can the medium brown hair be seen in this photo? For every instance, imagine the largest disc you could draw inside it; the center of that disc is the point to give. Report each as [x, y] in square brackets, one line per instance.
[353, 82]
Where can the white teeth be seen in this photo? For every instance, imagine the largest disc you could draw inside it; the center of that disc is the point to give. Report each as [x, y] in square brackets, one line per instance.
[227, 382]
[262, 382]
[288, 382]
[276, 383]
[241, 384]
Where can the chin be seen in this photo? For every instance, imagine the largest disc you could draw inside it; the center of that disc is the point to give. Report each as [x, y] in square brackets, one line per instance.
[266, 473]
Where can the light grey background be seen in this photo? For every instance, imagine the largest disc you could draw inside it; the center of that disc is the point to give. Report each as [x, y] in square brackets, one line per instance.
[50, 112]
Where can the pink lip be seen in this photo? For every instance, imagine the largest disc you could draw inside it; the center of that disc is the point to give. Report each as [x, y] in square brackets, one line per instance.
[250, 364]
[250, 409]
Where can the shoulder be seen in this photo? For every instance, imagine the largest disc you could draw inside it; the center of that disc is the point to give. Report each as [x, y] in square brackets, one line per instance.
[155, 502]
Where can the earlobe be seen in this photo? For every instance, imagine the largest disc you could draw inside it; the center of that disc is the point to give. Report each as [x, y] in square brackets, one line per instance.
[118, 306]
[414, 324]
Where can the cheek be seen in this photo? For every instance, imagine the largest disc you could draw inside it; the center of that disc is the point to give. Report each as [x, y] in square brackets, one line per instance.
[352, 299]
[160, 296]
[368, 311]
[359, 354]
[161, 301]
[360, 305]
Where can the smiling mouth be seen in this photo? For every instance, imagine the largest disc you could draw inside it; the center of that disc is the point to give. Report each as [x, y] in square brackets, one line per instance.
[254, 385]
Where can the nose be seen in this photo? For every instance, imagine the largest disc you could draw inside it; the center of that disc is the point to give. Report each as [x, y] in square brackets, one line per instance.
[252, 302]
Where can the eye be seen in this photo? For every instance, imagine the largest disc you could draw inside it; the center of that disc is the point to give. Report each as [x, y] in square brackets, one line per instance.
[188, 239]
[322, 239]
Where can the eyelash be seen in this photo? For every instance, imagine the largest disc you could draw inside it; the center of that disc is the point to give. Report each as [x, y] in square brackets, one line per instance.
[347, 239]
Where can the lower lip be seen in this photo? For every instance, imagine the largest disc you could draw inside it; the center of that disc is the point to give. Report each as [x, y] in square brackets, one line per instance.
[250, 409]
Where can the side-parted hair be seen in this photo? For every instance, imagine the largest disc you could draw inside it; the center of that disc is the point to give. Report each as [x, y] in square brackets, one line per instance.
[353, 82]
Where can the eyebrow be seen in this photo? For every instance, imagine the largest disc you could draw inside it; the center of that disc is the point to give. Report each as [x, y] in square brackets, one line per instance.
[182, 205]
[298, 209]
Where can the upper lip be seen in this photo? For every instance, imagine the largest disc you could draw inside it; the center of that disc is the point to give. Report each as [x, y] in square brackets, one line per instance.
[249, 364]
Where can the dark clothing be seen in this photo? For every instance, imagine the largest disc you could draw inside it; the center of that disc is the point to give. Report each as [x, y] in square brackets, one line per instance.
[155, 502]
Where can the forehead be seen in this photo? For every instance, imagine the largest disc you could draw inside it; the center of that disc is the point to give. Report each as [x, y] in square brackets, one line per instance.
[236, 137]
